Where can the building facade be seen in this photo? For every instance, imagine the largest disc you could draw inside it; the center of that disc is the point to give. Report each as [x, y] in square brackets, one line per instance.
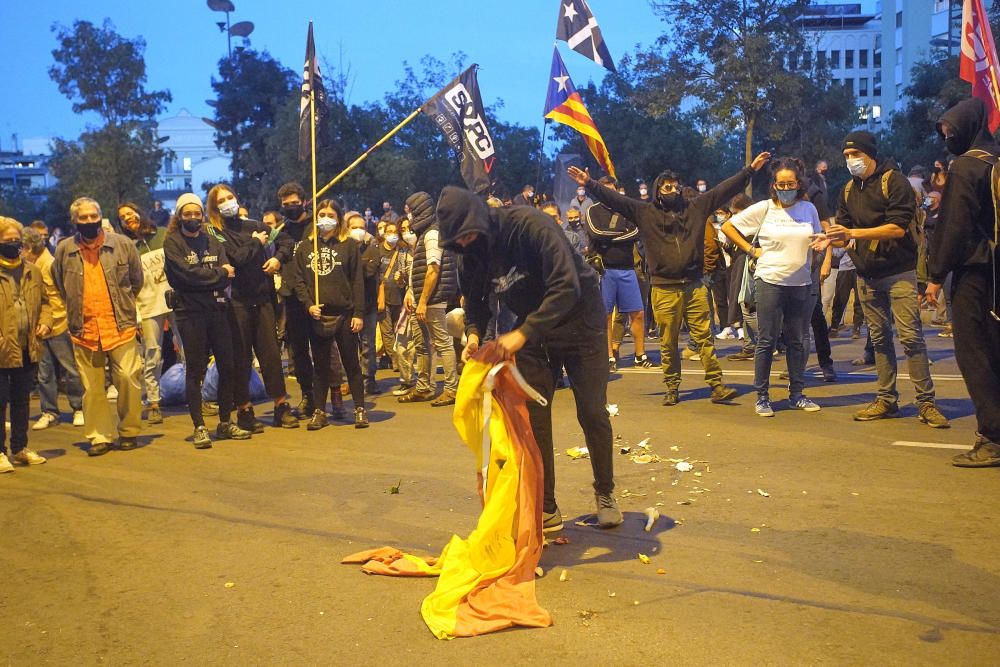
[194, 159]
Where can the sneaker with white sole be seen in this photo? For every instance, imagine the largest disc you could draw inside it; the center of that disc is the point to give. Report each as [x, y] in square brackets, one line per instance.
[5, 465]
[608, 514]
[726, 334]
[552, 521]
[804, 404]
[46, 420]
[112, 393]
[763, 408]
[78, 418]
[27, 457]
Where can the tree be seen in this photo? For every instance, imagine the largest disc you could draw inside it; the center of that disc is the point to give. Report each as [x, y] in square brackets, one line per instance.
[120, 160]
[729, 54]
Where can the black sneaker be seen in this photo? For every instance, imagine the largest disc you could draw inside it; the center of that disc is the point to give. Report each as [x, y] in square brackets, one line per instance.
[372, 388]
[552, 521]
[317, 421]
[360, 418]
[612, 364]
[283, 416]
[608, 514]
[305, 407]
[98, 449]
[201, 439]
[829, 375]
[127, 444]
[230, 431]
[643, 361]
[742, 355]
[247, 420]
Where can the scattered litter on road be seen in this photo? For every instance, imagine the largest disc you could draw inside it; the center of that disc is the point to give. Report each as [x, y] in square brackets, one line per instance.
[684, 466]
[652, 514]
[764, 493]
[564, 576]
[229, 584]
[684, 502]
[644, 559]
[644, 443]
[578, 453]
[394, 490]
[643, 459]
[612, 409]
[586, 524]
[625, 450]
[612, 594]
[660, 570]
[755, 530]
[758, 561]
[539, 572]
[561, 540]
[586, 614]
[675, 448]
[631, 494]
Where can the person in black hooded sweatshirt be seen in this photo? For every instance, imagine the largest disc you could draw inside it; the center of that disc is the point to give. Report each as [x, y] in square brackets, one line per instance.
[965, 244]
[521, 256]
[673, 234]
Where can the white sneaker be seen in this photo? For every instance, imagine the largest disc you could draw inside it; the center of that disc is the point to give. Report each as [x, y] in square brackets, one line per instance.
[46, 420]
[27, 457]
[740, 334]
[5, 465]
[726, 334]
[78, 418]
[691, 354]
[112, 393]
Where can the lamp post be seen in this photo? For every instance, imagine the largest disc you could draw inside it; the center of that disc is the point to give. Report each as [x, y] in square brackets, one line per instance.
[226, 7]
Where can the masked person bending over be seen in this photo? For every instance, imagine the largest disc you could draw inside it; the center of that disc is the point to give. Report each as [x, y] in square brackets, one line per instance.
[521, 256]
[673, 233]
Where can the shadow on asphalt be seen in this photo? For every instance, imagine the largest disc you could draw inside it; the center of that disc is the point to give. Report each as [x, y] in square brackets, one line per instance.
[614, 545]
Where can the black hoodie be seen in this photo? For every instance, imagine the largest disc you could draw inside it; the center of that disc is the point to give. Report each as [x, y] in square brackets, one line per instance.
[674, 239]
[522, 256]
[341, 279]
[866, 206]
[966, 219]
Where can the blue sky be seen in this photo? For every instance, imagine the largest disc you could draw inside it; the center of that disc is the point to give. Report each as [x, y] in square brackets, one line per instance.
[510, 39]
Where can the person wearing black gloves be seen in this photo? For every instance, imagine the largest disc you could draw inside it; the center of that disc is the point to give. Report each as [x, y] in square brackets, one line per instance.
[521, 256]
[964, 244]
[338, 314]
[199, 273]
[673, 234]
[296, 223]
[257, 252]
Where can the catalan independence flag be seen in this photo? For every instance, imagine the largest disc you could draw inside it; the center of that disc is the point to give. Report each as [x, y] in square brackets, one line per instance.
[563, 105]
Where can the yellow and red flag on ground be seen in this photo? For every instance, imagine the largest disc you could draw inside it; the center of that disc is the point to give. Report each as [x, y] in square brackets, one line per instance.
[564, 105]
[487, 580]
[978, 63]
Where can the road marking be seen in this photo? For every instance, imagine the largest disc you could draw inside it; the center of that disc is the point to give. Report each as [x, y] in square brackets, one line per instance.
[748, 373]
[929, 445]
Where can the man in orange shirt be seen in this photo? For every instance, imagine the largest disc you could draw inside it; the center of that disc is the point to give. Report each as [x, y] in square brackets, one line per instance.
[98, 274]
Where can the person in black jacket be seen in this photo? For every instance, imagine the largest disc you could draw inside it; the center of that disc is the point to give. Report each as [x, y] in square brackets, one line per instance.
[875, 220]
[965, 244]
[257, 252]
[199, 273]
[673, 233]
[337, 310]
[523, 257]
[371, 259]
[296, 224]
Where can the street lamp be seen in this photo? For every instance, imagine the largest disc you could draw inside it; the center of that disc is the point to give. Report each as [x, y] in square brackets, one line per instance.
[224, 6]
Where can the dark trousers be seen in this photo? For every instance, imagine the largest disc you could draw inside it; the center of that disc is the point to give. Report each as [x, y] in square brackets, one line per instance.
[203, 333]
[15, 391]
[254, 333]
[346, 342]
[977, 345]
[782, 311]
[369, 362]
[821, 335]
[847, 282]
[581, 345]
[298, 324]
[720, 296]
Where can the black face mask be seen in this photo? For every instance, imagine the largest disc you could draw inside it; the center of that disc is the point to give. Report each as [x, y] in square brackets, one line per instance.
[191, 225]
[10, 249]
[952, 143]
[293, 212]
[671, 202]
[88, 230]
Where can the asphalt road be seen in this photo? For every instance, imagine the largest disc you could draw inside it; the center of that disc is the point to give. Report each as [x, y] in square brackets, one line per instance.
[863, 551]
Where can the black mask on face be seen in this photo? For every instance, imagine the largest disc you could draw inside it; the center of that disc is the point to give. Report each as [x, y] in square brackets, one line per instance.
[10, 249]
[673, 201]
[952, 142]
[191, 225]
[88, 230]
[293, 212]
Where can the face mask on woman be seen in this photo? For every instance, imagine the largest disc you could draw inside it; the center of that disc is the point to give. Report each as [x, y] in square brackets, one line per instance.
[229, 209]
[787, 197]
[358, 234]
[391, 240]
[410, 238]
[10, 249]
[326, 224]
[190, 225]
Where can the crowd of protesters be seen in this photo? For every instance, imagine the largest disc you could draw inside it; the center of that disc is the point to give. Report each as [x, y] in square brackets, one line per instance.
[330, 304]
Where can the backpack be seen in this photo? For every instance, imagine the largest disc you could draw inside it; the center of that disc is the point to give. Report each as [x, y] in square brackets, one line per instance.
[916, 227]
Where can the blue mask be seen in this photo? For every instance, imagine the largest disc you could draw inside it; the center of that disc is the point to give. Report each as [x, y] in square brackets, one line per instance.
[787, 197]
[326, 225]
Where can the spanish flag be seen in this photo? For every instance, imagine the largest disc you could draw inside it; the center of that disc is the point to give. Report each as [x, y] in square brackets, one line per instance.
[486, 580]
[563, 105]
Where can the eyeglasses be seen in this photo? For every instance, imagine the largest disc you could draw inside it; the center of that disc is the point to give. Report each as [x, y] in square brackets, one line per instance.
[786, 186]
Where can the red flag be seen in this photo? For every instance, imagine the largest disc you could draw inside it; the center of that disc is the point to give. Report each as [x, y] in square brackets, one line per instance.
[978, 62]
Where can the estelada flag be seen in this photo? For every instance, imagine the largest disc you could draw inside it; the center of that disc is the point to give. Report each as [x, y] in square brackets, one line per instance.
[564, 105]
[487, 580]
[578, 28]
[978, 61]
[458, 111]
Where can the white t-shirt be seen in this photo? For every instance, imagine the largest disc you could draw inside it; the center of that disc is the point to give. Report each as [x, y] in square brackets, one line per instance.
[783, 238]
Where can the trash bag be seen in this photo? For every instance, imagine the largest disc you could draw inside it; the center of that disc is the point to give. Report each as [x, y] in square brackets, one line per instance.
[172, 386]
[210, 387]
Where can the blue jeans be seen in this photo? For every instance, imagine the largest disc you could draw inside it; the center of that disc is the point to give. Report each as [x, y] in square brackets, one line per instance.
[781, 310]
[58, 349]
[369, 360]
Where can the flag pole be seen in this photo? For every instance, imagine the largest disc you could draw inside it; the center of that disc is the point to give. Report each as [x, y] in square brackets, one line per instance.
[315, 231]
[541, 153]
[363, 156]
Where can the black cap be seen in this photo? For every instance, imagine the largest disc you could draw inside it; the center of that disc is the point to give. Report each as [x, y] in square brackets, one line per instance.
[862, 141]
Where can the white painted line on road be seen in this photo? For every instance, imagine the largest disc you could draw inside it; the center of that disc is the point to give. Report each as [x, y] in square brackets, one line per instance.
[929, 445]
[749, 373]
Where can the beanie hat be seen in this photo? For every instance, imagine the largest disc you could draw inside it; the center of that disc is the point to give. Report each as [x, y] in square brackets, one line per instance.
[862, 141]
[188, 198]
